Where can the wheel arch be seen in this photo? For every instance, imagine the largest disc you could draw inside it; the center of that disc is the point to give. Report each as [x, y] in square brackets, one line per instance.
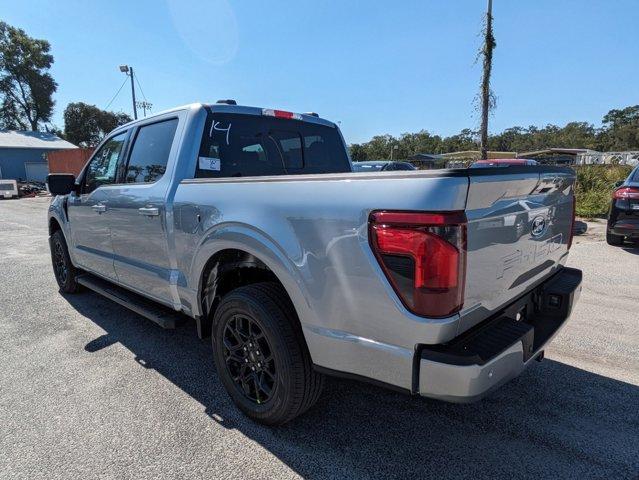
[54, 225]
[240, 255]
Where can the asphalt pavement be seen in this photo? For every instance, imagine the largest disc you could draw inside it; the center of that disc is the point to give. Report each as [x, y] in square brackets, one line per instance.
[90, 390]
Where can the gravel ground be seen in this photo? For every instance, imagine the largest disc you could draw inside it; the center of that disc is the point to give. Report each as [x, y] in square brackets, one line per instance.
[90, 390]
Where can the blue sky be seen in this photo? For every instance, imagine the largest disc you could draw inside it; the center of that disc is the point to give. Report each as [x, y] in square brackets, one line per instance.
[378, 67]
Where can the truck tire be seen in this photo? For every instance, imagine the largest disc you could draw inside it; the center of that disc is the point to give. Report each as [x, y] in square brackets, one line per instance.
[65, 273]
[612, 239]
[260, 354]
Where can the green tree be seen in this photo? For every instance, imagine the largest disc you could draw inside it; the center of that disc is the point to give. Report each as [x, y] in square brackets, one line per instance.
[625, 116]
[357, 152]
[26, 87]
[464, 140]
[85, 125]
[621, 129]
[379, 147]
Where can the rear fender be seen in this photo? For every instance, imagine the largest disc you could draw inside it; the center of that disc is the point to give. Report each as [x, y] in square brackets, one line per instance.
[243, 237]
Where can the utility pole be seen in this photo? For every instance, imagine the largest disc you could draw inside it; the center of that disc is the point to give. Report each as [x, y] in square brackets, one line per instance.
[135, 108]
[129, 71]
[394, 147]
[144, 105]
[487, 51]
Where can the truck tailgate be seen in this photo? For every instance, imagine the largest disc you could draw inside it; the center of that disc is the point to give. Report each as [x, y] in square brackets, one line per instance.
[519, 227]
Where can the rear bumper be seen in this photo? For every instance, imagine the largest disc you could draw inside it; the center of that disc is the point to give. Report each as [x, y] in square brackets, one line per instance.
[485, 357]
[627, 228]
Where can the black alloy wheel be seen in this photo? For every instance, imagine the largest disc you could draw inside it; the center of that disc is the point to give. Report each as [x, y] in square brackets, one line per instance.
[59, 263]
[65, 273]
[249, 359]
[261, 356]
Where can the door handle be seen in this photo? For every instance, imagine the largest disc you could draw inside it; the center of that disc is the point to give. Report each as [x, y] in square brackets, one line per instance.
[99, 208]
[149, 211]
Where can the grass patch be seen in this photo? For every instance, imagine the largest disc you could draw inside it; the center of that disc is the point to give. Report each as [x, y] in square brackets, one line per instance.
[594, 187]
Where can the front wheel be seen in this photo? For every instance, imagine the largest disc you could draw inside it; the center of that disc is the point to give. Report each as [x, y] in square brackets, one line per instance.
[260, 354]
[65, 273]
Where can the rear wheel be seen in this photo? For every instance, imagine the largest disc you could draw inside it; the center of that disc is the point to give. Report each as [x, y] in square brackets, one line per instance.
[65, 273]
[612, 239]
[260, 354]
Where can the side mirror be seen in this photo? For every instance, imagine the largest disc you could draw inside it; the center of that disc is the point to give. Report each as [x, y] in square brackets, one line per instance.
[61, 183]
[618, 184]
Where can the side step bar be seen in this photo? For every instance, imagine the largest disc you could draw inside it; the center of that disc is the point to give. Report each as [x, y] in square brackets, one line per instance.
[163, 316]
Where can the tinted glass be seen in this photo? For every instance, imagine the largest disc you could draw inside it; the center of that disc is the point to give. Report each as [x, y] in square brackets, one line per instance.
[150, 152]
[243, 153]
[104, 165]
[635, 177]
[236, 145]
[321, 152]
[290, 147]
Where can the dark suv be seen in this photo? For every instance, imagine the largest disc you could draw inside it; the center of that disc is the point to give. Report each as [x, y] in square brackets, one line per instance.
[623, 219]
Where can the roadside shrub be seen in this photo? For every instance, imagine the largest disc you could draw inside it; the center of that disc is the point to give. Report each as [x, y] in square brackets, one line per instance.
[594, 187]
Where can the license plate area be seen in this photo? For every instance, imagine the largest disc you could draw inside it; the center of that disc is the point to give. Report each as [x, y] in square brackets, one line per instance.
[531, 319]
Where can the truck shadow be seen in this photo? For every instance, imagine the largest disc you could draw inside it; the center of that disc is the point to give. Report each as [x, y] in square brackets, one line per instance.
[554, 421]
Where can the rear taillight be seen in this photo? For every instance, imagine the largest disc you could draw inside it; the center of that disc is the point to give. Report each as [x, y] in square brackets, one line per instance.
[626, 193]
[572, 222]
[423, 255]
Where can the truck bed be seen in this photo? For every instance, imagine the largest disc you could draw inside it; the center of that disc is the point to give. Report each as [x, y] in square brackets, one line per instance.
[312, 229]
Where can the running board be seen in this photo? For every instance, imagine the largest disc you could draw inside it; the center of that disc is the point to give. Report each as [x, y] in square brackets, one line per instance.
[163, 316]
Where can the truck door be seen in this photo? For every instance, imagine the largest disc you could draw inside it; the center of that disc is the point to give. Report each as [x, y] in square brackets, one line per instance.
[138, 212]
[89, 211]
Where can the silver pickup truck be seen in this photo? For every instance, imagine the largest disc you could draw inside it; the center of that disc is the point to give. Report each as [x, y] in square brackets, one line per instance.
[441, 283]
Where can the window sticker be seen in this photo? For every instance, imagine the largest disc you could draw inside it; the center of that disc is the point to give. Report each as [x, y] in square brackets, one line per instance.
[209, 163]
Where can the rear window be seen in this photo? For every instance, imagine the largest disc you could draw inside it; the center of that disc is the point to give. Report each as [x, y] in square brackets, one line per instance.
[237, 145]
[635, 177]
[7, 186]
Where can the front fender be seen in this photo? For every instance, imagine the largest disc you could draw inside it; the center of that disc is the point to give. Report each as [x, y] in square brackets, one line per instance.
[58, 213]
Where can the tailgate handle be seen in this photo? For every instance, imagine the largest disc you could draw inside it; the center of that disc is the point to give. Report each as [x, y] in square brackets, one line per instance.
[149, 211]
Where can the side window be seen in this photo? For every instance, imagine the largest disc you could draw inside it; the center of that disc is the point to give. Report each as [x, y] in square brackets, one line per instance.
[103, 168]
[150, 152]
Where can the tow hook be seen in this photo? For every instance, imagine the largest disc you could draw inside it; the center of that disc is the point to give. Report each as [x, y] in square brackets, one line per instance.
[540, 357]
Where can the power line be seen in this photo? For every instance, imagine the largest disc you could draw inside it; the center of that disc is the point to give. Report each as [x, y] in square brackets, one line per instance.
[140, 87]
[145, 105]
[116, 94]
